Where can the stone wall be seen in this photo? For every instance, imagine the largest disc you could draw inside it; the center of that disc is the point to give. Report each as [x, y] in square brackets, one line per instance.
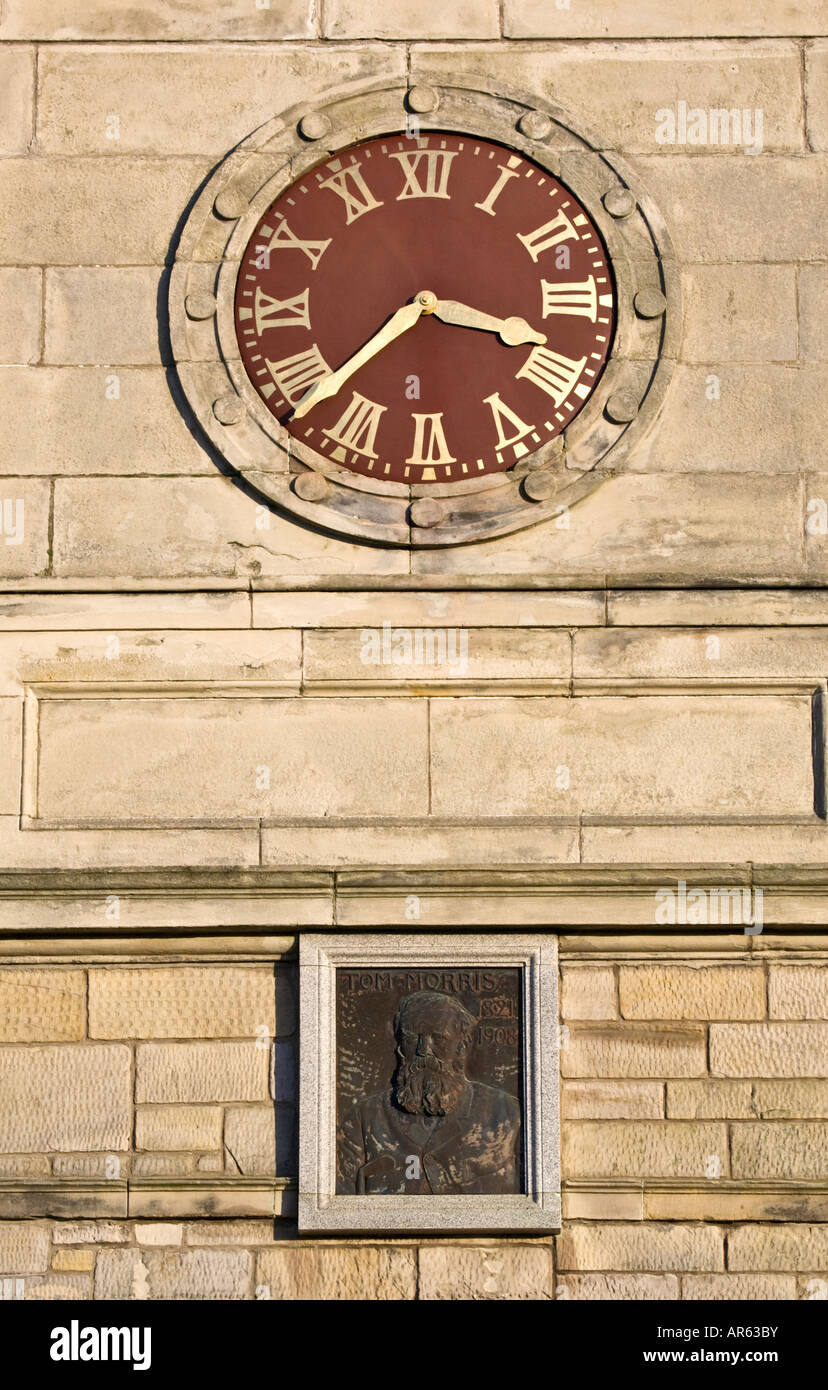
[196, 764]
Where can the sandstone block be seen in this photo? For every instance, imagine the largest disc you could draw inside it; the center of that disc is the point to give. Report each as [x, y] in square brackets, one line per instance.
[762, 1287]
[161, 1165]
[689, 991]
[182, 1001]
[59, 1288]
[710, 1100]
[739, 313]
[798, 1149]
[159, 1233]
[178, 758]
[641, 1287]
[250, 1140]
[714, 206]
[769, 1049]
[74, 408]
[229, 1233]
[644, 1148]
[778, 1247]
[477, 1272]
[816, 67]
[631, 1051]
[588, 992]
[359, 19]
[537, 19]
[798, 991]
[80, 1261]
[225, 95]
[24, 1247]
[632, 1246]
[42, 1005]
[336, 656]
[17, 84]
[813, 309]
[114, 211]
[613, 1100]
[64, 1097]
[102, 314]
[186, 1274]
[156, 20]
[21, 293]
[358, 1273]
[89, 1232]
[24, 544]
[177, 1127]
[201, 1071]
[791, 1100]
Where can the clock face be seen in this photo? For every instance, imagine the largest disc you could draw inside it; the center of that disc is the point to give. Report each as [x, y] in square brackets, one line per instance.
[507, 254]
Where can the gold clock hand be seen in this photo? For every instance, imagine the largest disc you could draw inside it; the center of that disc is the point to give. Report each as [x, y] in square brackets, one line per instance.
[513, 331]
[398, 323]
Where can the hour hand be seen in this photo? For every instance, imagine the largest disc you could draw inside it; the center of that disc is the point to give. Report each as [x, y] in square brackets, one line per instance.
[512, 331]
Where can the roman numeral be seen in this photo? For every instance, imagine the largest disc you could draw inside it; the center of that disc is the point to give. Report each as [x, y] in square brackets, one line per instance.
[559, 229]
[351, 187]
[578, 298]
[507, 172]
[554, 374]
[294, 375]
[429, 440]
[501, 413]
[281, 313]
[356, 428]
[426, 173]
[284, 239]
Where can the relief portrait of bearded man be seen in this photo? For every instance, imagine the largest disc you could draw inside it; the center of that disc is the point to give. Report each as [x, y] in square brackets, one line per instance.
[435, 1130]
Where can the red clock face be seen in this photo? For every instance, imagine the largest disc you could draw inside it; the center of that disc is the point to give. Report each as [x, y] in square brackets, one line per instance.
[425, 310]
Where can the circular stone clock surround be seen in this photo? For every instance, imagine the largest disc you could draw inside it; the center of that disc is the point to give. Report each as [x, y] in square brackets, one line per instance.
[296, 478]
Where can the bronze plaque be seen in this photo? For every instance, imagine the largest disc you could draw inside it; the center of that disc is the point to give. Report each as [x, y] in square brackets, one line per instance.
[428, 1081]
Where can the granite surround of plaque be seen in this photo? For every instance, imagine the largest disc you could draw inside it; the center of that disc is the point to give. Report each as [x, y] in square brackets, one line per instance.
[429, 1083]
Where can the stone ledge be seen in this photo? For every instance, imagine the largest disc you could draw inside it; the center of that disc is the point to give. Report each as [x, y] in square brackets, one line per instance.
[123, 1199]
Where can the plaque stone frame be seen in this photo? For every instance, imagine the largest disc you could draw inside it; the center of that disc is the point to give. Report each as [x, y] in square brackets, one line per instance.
[321, 1208]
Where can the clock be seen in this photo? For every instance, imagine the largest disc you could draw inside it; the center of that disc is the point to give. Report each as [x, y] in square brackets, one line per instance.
[423, 316]
[425, 309]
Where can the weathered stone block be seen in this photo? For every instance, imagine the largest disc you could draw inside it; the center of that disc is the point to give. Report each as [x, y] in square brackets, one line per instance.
[646, 1148]
[341, 656]
[816, 68]
[612, 1100]
[690, 991]
[26, 505]
[224, 93]
[79, 1261]
[21, 292]
[636, 1246]
[477, 1272]
[761, 1287]
[798, 991]
[89, 1232]
[588, 992]
[710, 1100]
[813, 308]
[113, 211]
[791, 1100]
[229, 1233]
[102, 314]
[159, 1233]
[94, 420]
[156, 20]
[769, 1049]
[739, 313]
[250, 1140]
[182, 1001]
[538, 19]
[177, 1127]
[64, 1097]
[795, 1150]
[640, 1287]
[42, 1005]
[361, 1273]
[775, 1247]
[17, 85]
[188, 1274]
[177, 758]
[201, 1071]
[634, 1051]
[24, 1247]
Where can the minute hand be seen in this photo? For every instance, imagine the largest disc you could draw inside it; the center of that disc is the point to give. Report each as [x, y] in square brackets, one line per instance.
[513, 330]
[404, 318]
